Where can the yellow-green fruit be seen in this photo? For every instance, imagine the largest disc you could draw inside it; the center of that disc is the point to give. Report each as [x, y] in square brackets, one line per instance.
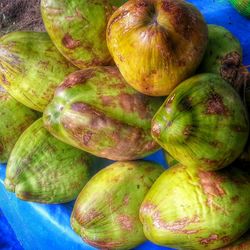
[106, 212]
[14, 119]
[31, 68]
[45, 170]
[156, 44]
[188, 208]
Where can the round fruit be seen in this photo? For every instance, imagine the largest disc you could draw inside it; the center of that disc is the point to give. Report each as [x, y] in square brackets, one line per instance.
[43, 169]
[106, 212]
[188, 208]
[202, 123]
[78, 28]
[15, 118]
[31, 68]
[95, 110]
[156, 44]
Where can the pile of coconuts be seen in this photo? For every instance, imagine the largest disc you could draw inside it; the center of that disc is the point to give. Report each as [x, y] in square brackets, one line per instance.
[120, 80]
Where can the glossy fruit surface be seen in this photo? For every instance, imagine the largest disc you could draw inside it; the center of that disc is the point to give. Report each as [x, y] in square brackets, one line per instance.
[78, 29]
[95, 110]
[31, 68]
[45, 170]
[156, 44]
[188, 208]
[15, 118]
[202, 123]
[106, 213]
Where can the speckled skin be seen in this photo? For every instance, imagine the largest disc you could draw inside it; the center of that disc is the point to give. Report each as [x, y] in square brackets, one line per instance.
[31, 68]
[223, 54]
[106, 213]
[242, 6]
[156, 44]
[188, 208]
[202, 123]
[95, 110]
[78, 28]
[15, 118]
[45, 170]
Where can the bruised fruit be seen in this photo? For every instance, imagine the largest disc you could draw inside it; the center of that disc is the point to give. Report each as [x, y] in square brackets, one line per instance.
[106, 212]
[78, 28]
[202, 123]
[242, 6]
[156, 44]
[45, 170]
[95, 110]
[223, 55]
[31, 68]
[15, 118]
[188, 208]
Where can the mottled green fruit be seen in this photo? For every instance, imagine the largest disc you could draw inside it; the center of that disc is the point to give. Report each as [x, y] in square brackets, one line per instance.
[243, 243]
[202, 123]
[170, 159]
[187, 208]
[31, 68]
[15, 118]
[223, 54]
[106, 213]
[96, 110]
[45, 170]
[242, 6]
[78, 28]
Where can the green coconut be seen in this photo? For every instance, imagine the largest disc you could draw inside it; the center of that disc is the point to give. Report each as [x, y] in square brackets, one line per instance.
[242, 6]
[203, 123]
[31, 68]
[15, 118]
[106, 212]
[45, 170]
[78, 28]
[97, 111]
[188, 208]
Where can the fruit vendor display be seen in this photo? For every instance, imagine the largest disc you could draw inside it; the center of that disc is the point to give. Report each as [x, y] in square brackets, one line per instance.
[203, 123]
[95, 110]
[12, 126]
[31, 67]
[188, 208]
[109, 219]
[156, 44]
[119, 80]
[45, 170]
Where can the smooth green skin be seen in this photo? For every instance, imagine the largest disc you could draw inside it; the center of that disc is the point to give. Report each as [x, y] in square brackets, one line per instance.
[31, 68]
[187, 208]
[156, 44]
[78, 28]
[221, 45]
[95, 110]
[242, 6]
[203, 123]
[243, 243]
[15, 118]
[106, 212]
[45, 170]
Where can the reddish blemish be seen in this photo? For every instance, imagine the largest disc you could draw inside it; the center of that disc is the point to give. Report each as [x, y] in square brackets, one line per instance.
[4, 80]
[156, 130]
[209, 240]
[125, 222]
[107, 100]
[87, 137]
[126, 200]
[87, 217]
[104, 245]
[69, 42]
[209, 161]
[188, 130]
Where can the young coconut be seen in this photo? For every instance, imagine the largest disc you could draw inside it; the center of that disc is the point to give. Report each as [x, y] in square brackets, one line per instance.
[106, 212]
[15, 118]
[242, 6]
[97, 111]
[45, 170]
[202, 123]
[31, 68]
[188, 208]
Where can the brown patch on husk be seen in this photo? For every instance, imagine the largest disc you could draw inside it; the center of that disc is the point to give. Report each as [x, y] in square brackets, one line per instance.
[20, 15]
[69, 42]
[126, 222]
[103, 245]
[210, 239]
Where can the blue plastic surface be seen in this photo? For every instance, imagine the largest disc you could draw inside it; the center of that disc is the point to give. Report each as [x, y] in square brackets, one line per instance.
[47, 227]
